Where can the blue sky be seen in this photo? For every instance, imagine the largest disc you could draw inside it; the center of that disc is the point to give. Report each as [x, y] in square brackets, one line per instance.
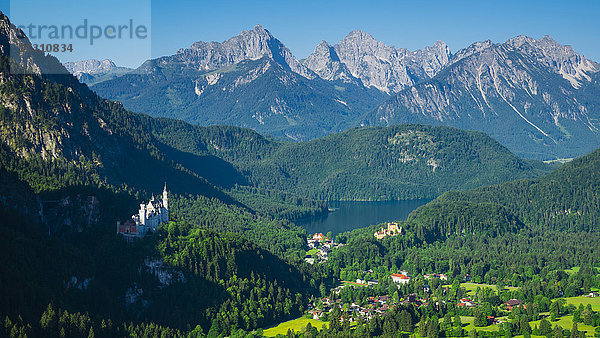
[301, 25]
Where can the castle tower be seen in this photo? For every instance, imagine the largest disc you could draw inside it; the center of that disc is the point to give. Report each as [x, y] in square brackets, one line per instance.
[142, 214]
[165, 199]
[165, 203]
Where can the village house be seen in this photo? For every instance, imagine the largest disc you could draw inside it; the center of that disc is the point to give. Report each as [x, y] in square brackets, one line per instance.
[436, 275]
[392, 230]
[318, 237]
[512, 303]
[400, 278]
[466, 302]
[148, 218]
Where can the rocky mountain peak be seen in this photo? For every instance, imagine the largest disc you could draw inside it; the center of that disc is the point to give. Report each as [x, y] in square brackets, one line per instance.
[325, 62]
[376, 64]
[248, 45]
[474, 48]
[91, 66]
[562, 59]
[358, 35]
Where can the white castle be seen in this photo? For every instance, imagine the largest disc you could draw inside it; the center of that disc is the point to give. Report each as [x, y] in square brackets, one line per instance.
[148, 218]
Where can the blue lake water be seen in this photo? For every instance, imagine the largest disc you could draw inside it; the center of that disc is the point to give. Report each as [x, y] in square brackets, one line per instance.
[353, 215]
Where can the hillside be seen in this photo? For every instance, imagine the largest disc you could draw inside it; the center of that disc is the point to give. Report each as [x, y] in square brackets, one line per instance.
[566, 199]
[399, 162]
[522, 233]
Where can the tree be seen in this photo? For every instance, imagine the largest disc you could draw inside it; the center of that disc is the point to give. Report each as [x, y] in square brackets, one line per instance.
[406, 321]
[480, 319]
[447, 323]
[433, 328]
[524, 326]
[48, 322]
[545, 327]
[323, 290]
[557, 332]
[390, 328]
[423, 326]
[457, 322]
[473, 333]
[574, 331]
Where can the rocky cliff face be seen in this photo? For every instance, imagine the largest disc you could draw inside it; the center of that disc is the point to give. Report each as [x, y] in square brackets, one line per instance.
[23, 58]
[562, 59]
[523, 92]
[375, 63]
[325, 62]
[55, 132]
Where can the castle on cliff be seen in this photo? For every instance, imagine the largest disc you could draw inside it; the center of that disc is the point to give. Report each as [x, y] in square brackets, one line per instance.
[148, 218]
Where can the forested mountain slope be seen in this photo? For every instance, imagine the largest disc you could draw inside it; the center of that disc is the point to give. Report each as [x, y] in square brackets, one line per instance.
[567, 199]
[72, 164]
[522, 233]
[399, 162]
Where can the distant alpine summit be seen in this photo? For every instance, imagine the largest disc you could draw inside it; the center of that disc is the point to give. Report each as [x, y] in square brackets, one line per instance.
[537, 97]
[375, 63]
[94, 71]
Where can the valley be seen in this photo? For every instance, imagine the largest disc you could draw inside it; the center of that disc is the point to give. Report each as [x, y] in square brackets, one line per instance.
[364, 191]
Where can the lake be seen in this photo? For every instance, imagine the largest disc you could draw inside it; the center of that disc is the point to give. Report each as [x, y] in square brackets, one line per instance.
[353, 215]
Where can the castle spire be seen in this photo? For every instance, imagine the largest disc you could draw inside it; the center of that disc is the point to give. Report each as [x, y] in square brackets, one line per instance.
[165, 197]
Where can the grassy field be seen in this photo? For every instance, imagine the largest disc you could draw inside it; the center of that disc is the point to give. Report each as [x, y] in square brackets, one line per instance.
[297, 325]
[468, 325]
[473, 286]
[595, 301]
[312, 251]
[575, 270]
[566, 322]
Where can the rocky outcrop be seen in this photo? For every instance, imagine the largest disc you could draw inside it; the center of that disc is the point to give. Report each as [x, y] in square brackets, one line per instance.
[325, 62]
[375, 63]
[563, 60]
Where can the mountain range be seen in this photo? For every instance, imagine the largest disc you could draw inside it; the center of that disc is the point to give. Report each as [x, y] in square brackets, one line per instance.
[93, 71]
[536, 97]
